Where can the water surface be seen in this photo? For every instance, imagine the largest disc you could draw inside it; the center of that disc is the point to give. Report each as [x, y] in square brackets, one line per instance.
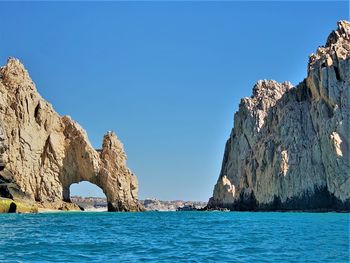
[174, 237]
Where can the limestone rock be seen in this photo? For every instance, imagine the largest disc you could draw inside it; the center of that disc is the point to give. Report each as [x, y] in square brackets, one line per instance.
[42, 153]
[289, 148]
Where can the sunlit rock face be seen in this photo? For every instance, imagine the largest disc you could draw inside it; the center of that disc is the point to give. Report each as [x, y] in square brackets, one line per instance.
[289, 148]
[43, 153]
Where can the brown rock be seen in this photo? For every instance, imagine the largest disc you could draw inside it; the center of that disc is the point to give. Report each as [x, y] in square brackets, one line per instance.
[45, 153]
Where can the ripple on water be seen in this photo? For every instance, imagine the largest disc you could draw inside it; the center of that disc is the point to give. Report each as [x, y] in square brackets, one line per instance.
[175, 237]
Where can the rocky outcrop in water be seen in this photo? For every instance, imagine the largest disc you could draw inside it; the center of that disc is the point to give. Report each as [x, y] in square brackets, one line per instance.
[152, 204]
[42, 153]
[289, 148]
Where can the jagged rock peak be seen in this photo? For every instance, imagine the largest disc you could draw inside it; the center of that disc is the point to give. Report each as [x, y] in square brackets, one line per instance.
[270, 89]
[111, 141]
[14, 73]
[340, 34]
[289, 148]
[114, 146]
[44, 153]
[337, 46]
[265, 95]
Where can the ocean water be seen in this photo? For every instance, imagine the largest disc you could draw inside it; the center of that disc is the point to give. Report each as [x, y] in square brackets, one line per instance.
[174, 237]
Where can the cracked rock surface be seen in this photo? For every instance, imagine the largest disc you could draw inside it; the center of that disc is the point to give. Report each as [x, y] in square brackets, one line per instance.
[42, 153]
[289, 148]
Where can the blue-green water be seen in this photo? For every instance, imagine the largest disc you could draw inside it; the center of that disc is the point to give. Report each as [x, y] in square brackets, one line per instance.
[174, 237]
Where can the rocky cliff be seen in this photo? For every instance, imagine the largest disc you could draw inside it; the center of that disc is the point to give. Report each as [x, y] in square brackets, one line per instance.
[289, 148]
[42, 153]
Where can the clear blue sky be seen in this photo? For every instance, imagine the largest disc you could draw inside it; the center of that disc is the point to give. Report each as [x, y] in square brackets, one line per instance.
[166, 77]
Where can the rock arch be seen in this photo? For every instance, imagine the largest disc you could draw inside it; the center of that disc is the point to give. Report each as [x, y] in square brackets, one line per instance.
[45, 153]
[105, 168]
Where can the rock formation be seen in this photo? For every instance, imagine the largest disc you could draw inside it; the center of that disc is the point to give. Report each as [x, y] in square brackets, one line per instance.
[42, 153]
[289, 148]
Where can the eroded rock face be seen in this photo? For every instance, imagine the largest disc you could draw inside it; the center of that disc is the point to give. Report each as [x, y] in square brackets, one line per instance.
[289, 148]
[45, 153]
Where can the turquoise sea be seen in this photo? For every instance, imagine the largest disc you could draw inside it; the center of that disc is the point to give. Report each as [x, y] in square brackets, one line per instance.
[174, 237]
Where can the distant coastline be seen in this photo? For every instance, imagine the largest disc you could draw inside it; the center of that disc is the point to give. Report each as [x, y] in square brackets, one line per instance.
[99, 204]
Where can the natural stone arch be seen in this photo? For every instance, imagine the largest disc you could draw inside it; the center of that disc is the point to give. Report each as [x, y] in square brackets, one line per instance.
[45, 152]
[105, 168]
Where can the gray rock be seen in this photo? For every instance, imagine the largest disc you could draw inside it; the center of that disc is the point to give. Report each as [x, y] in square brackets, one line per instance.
[289, 148]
